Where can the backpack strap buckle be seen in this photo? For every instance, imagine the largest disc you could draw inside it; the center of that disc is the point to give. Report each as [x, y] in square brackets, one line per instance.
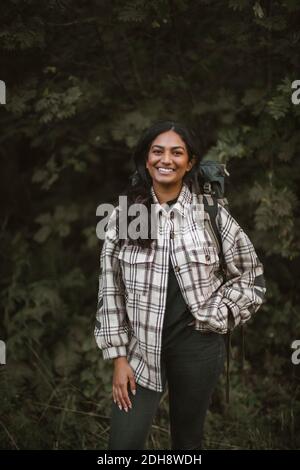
[207, 187]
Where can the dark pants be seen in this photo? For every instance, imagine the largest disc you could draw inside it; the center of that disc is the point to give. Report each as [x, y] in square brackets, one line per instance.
[191, 367]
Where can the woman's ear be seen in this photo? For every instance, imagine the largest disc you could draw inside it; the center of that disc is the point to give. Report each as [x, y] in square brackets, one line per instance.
[192, 162]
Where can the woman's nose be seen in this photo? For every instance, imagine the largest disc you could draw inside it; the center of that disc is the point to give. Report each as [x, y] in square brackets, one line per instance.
[166, 158]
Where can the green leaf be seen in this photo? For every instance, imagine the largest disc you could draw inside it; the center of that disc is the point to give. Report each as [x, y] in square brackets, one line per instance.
[42, 234]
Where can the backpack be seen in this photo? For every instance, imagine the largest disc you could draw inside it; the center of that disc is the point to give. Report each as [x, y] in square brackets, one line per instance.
[209, 182]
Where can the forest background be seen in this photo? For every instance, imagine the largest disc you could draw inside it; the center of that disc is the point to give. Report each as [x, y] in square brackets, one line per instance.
[83, 80]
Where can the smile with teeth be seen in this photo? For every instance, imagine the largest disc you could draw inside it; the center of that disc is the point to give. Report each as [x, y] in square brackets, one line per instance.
[165, 171]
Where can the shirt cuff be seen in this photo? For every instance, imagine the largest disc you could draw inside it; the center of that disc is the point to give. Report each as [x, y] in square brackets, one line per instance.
[114, 351]
[235, 311]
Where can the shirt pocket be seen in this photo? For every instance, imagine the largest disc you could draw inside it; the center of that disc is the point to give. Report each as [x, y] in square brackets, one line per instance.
[136, 267]
[204, 265]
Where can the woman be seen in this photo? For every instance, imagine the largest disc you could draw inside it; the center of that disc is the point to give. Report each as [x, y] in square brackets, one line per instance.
[163, 305]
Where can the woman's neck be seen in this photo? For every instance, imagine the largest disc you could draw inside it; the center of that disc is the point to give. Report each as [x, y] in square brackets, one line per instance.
[165, 194]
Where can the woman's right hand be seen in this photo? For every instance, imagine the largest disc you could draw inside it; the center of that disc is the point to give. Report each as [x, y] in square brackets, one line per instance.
[122, 374]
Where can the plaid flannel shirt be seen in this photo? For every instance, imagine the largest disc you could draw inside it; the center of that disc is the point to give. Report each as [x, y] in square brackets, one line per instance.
[133, 283]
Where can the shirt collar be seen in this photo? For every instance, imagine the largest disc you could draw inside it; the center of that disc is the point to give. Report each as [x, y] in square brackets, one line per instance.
[183, 201]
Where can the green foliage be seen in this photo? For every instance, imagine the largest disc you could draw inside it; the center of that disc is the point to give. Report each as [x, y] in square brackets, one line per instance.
[82, 85]
[23, 35]
[280, 104]
[59, 223]
[133, 11]
[228, 146]
[275, 213]
[58, 106]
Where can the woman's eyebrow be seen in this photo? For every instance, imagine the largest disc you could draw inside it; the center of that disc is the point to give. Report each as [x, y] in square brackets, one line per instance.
[175, 147]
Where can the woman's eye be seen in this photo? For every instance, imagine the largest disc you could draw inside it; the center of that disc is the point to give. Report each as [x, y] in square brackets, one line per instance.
[159, 151]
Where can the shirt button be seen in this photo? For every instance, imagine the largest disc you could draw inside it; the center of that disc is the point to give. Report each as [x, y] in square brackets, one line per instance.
[172, 215]
[172, 235]
[207, 257]
[177, 268]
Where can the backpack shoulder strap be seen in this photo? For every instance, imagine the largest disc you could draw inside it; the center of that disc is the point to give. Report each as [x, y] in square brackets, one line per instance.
[211, 207]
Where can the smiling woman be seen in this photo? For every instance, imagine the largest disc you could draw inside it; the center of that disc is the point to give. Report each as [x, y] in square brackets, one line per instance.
[163, 307]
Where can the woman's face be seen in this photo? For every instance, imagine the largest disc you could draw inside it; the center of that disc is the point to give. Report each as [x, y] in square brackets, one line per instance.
[168, 160]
